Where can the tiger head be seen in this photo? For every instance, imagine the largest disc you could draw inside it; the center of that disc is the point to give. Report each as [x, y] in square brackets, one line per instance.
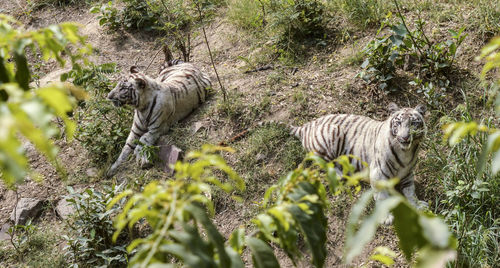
[127, 90]
[407, 125]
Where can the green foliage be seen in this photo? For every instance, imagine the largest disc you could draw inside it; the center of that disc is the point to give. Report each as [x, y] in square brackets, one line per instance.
[21, 235]
[92, 242]
[429, 60]
[176, 210]
[31, 113]
[37, 247]
[96, 115]
[472, 190]
[417, 232]
[247, 14]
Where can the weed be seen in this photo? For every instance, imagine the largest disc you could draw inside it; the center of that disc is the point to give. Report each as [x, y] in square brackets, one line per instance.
[39, 250]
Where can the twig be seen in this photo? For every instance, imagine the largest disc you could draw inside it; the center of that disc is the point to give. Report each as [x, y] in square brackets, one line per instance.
[263, 68]
[409, 32]
[154, 57]
[209, 51]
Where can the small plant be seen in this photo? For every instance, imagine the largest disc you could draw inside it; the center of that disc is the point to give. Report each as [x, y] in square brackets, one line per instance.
[21, 236]
[92, 243]
[430, 61]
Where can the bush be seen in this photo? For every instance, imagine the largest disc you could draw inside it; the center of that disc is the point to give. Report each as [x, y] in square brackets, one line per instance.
[183, 232]
[174, 20]
[92, 243]
[430, 61]
[31, 113]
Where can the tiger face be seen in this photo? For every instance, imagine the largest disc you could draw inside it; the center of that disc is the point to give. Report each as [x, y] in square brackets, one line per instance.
[127, 89]
[407, 125]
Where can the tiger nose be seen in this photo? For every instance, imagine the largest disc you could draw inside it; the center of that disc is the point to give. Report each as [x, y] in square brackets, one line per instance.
[405, 138]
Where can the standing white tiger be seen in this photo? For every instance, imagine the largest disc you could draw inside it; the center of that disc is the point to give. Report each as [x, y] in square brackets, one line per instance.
[389, 147]
[174, 94]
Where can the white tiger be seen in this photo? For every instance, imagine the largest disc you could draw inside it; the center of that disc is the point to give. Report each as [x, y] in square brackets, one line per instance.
[389, 147]
[175, 93]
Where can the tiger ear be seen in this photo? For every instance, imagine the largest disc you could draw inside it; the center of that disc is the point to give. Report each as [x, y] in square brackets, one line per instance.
[134, 69]
[421, 108]
[140, 82]
[393, 107]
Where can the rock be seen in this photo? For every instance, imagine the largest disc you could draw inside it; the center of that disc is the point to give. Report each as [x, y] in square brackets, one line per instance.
[92, 172]
[169, 154]
[64, 209]
[26, 208]
[4, 232]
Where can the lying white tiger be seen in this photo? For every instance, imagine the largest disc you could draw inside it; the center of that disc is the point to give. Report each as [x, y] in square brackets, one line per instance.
[389, 147]
[175, 93]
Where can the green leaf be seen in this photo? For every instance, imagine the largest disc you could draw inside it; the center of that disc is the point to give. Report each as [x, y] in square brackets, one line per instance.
[435, 231]
[262, 254]
[213, 234]
[237, 239]
[356, 241]
[4, 74]
[22, 73]
[400, 30]
[408, 229]
[430, 257]
[194, 252]
[313, 228]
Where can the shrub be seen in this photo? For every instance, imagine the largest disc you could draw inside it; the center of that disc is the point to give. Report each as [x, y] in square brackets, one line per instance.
[92, 243]
[182, 230]
[403, 48]
[295, 23]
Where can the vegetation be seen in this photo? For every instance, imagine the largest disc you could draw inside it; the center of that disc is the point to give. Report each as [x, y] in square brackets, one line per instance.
[31, 113]
[93, 229]
[176, 210]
